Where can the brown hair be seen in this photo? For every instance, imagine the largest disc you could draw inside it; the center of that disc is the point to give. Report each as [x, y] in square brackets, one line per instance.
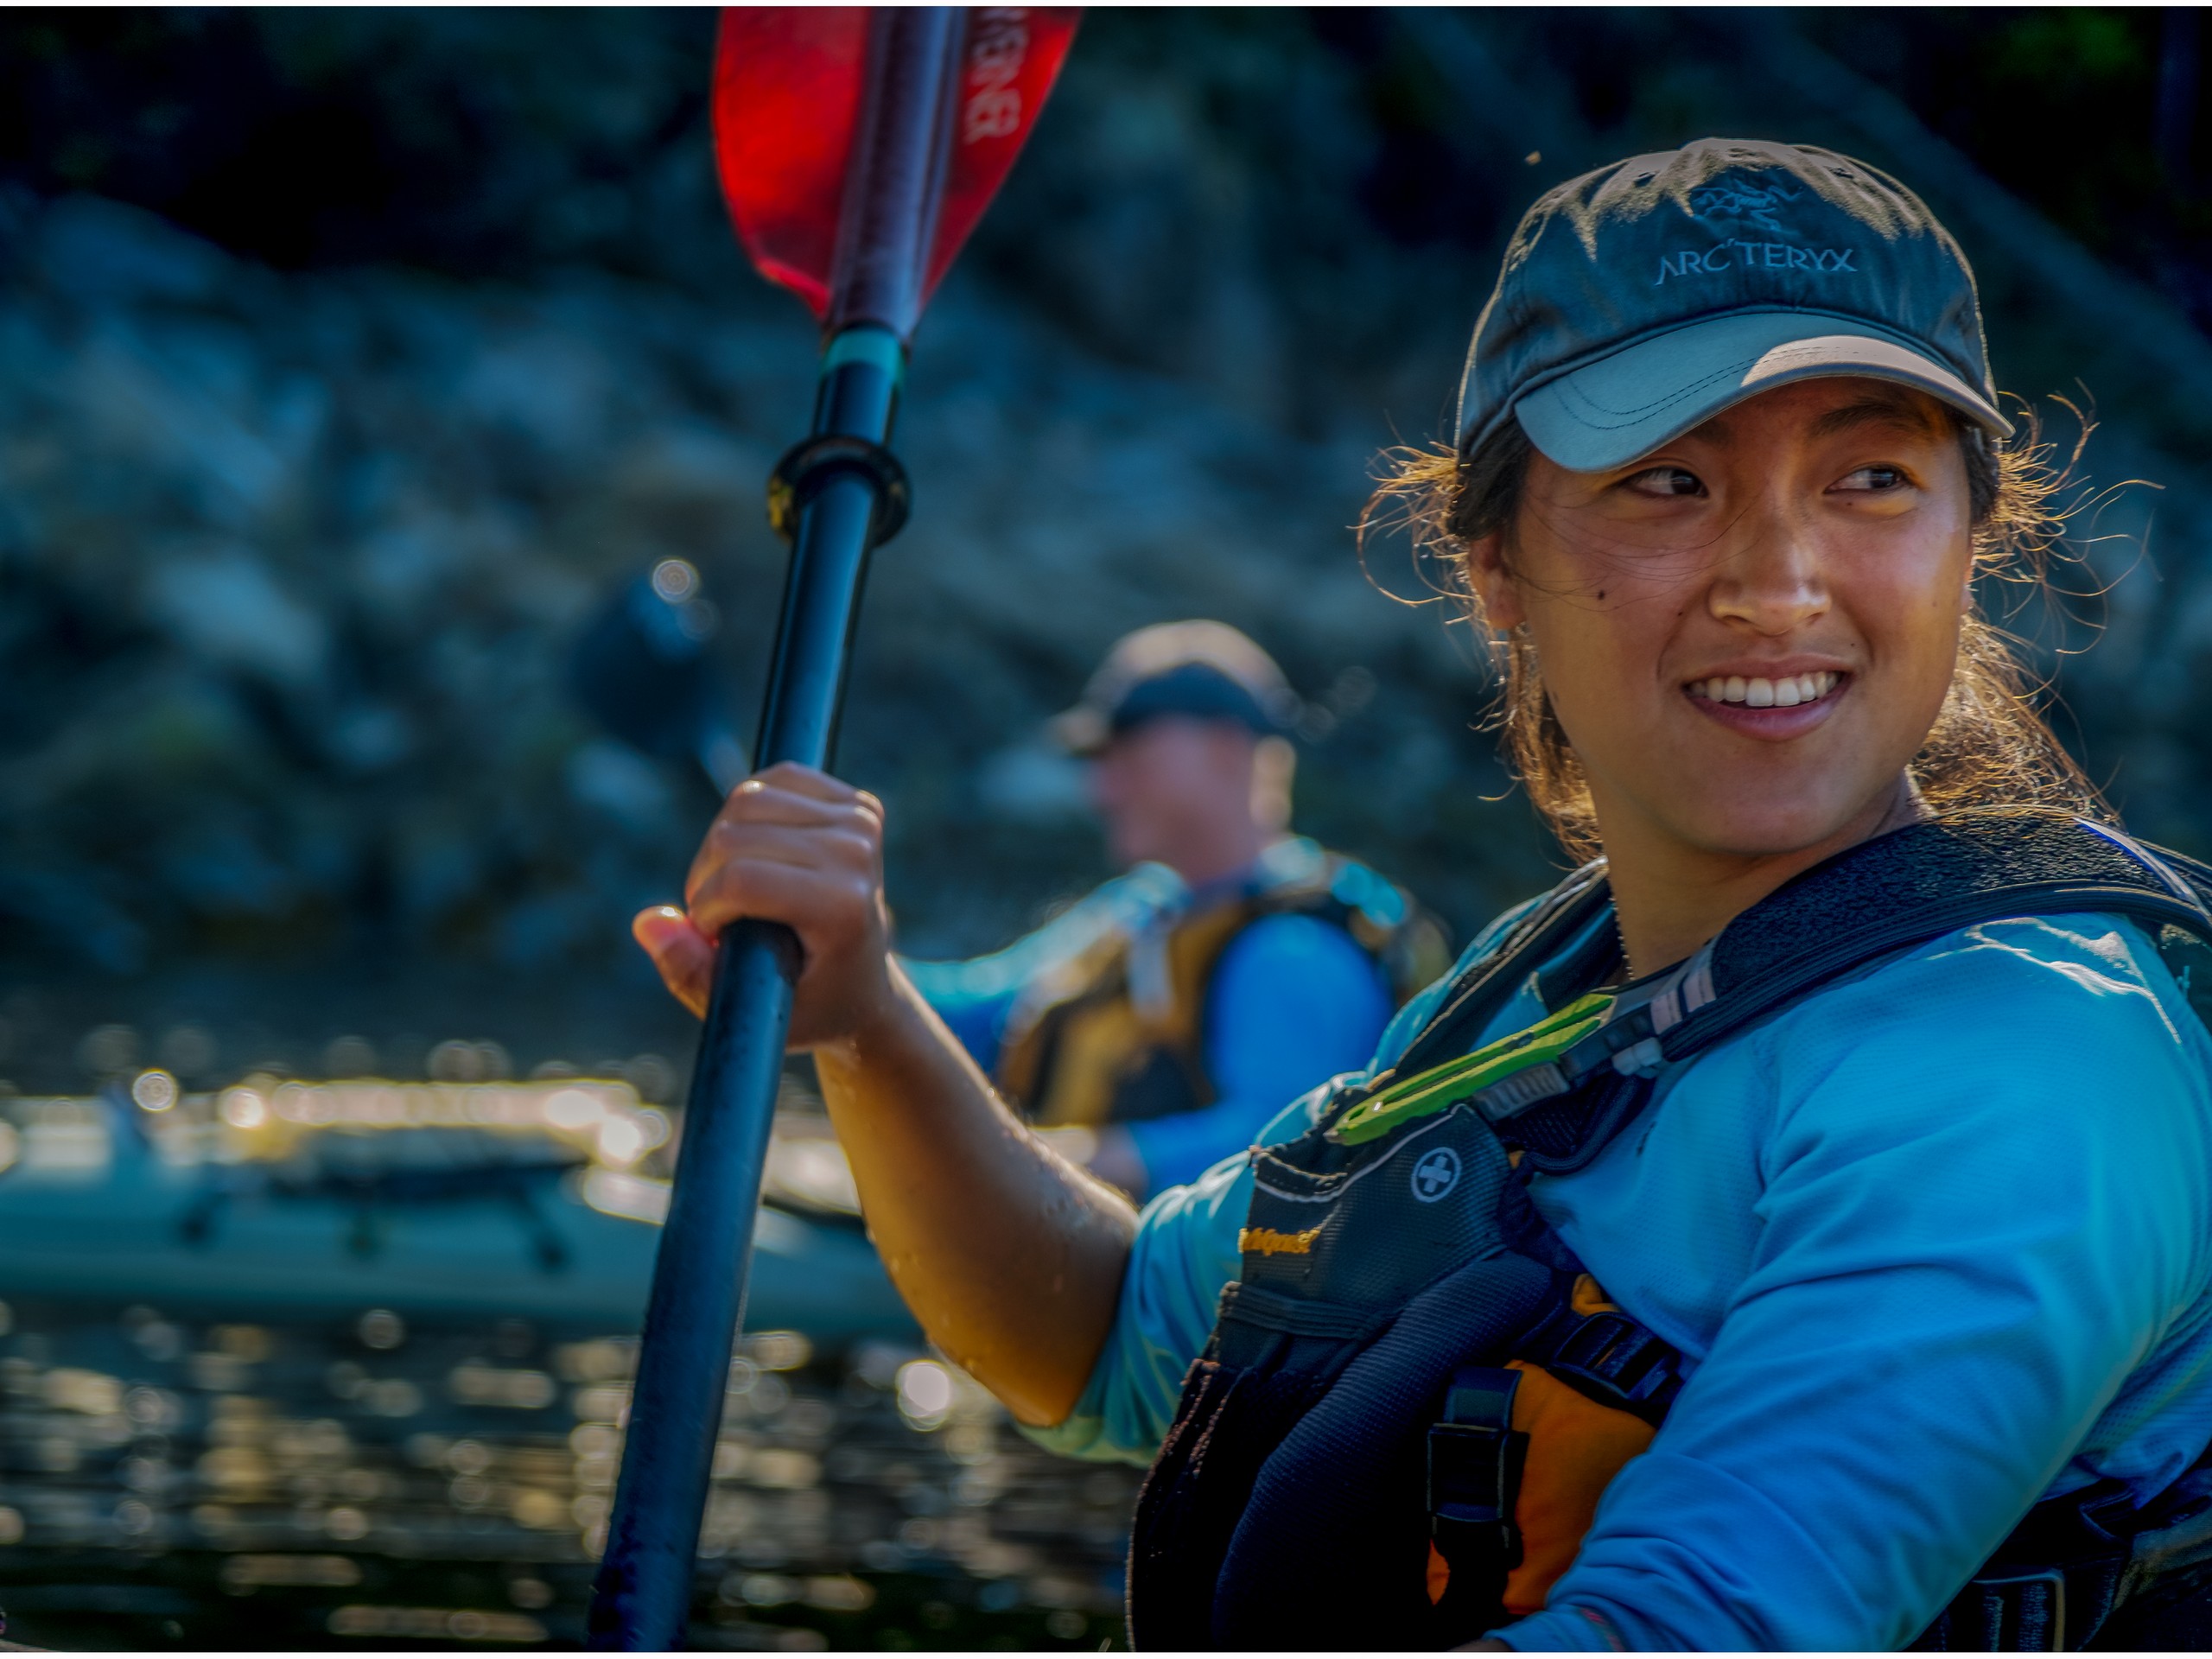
[1989, 746]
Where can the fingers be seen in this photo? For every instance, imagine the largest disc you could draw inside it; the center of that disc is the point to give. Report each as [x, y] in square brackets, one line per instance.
[684, 955]
[790, 817]
[831, 844]
[728, 864]
[805, 894]
[788, 778]
[755, 802]
[755, 805]
[790, 845]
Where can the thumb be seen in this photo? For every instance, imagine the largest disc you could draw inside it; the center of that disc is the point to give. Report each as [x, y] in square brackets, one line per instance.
[685, 956]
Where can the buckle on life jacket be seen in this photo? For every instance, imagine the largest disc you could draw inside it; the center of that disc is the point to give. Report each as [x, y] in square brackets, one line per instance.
[1616, 1361]
[1475, 1460]
[2022, 1612]
[2062, 1572]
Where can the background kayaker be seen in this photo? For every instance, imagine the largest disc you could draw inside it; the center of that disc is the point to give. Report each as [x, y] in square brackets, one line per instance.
[1173, 1011]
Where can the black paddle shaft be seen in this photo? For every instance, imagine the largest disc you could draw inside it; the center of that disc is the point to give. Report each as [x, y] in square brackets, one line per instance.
[845, 494]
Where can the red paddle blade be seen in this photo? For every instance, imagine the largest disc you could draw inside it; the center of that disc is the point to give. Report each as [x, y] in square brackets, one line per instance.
[1009, 62]
[789, 85]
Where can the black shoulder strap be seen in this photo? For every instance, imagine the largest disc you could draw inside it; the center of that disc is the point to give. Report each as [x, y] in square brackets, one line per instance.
[1870, 901]
[1483, 988]
[1918, 883]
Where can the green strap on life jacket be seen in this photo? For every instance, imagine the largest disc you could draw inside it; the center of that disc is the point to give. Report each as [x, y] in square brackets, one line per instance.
[1444, 1086]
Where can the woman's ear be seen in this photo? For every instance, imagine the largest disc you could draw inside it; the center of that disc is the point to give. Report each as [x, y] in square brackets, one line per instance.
[1493, 583]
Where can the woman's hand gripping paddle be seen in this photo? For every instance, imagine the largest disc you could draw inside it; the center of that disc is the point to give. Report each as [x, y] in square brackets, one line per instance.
[858, 147]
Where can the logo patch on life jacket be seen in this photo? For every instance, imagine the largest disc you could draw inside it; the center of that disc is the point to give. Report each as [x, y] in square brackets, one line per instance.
[1435, 1175]
[1266, 1241]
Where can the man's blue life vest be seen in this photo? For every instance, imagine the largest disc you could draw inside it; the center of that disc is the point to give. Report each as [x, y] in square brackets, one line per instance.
[1414, 1395]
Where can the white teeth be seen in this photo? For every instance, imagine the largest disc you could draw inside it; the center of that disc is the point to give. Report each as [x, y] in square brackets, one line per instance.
[1785, 693]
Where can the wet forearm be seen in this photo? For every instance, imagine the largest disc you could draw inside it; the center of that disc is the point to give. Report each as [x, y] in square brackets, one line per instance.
[1011, 1257]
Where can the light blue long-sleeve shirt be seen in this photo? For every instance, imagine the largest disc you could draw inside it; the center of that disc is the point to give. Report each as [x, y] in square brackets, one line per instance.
[1936, 1241]
[1293, 999]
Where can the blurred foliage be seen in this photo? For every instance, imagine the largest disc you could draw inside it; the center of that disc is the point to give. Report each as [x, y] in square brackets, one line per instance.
[2062, 105]
[471, 142]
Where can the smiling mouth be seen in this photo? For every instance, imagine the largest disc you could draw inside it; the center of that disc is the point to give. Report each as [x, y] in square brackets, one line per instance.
[1788, 692]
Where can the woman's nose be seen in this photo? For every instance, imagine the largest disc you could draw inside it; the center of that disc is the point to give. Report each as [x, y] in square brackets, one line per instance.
[1771, 576]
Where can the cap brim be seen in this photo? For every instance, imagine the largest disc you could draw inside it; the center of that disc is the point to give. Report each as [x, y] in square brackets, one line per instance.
[1606, 413]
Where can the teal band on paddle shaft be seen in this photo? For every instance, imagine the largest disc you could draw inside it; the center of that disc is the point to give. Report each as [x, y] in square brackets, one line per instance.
[865, 342]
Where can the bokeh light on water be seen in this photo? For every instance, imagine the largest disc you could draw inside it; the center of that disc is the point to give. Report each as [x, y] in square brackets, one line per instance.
[166, 1483]
[372, 1474]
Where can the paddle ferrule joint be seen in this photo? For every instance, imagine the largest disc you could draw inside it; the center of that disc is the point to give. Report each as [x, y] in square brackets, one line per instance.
[807, 464]
[857, 398]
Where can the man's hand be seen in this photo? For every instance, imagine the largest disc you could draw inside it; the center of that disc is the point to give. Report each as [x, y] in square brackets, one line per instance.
[794, 845]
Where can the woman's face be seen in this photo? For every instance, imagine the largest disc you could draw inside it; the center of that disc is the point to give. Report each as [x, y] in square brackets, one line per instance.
[1747, 633]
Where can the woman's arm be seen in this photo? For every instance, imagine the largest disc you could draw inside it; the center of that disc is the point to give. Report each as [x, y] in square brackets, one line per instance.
[1011, 1258]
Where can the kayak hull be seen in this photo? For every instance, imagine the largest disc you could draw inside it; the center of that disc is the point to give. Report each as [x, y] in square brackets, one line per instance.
[137, 1230]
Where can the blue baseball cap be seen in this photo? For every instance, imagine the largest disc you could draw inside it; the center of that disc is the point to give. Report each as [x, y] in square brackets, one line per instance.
[1201, 670]
[1642, 299]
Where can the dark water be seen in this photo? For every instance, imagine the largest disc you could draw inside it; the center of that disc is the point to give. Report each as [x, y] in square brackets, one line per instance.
[380, 1484]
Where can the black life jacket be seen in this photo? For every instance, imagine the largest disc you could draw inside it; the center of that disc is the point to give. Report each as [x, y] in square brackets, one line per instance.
[1413, 1394]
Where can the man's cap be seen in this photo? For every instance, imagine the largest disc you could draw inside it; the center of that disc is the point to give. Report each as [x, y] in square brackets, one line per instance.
[1642, 299]
[1207, 671]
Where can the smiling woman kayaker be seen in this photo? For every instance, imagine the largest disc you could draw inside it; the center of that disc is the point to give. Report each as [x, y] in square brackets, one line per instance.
[1851, 1070]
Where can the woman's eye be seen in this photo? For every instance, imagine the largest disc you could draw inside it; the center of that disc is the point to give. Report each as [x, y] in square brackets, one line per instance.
[1666, 480]
[1873, 479]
